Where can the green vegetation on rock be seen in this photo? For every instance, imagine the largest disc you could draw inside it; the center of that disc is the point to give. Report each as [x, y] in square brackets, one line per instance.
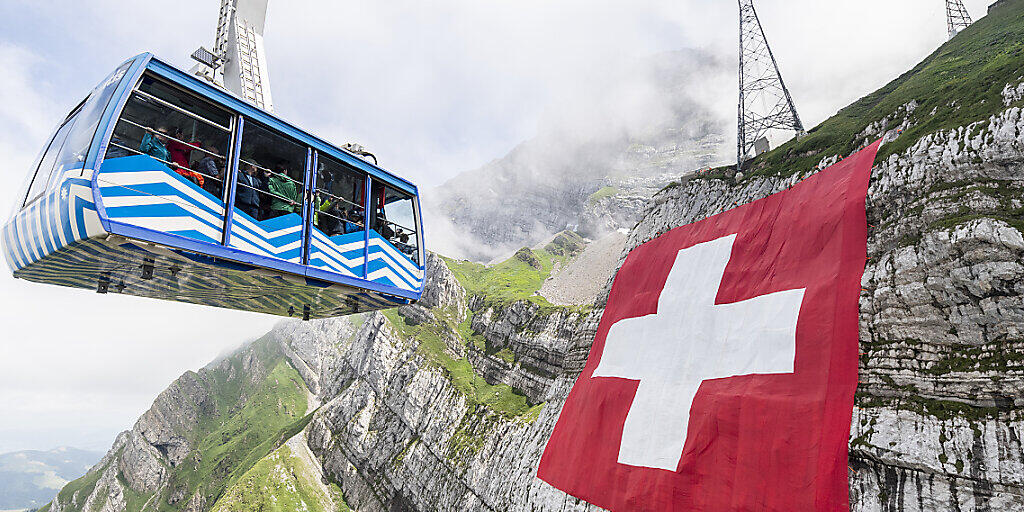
[960, 83]
[283, 481]
[430, 343]
[80, 488]
[566, 243]
[604, 193]
[256, 402]
[511, 280]
[252, 421]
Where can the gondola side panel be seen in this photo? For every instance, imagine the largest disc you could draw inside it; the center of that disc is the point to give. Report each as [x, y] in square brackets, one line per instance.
[389, 266]
[53, 223]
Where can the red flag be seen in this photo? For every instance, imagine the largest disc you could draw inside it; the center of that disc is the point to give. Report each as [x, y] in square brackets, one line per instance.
[723, 371]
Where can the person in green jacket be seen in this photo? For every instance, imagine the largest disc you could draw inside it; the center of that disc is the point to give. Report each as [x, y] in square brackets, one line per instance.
[285, 195]
[154, 144]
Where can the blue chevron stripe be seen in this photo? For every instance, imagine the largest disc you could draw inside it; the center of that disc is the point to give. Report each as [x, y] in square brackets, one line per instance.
[260, 234]
[387, 265]
[326, 252]
[45, 226]
[68, 215]
[141, 191]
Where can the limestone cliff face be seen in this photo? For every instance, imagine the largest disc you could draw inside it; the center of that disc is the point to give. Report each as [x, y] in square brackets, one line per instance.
[938, 418]
[399, 435]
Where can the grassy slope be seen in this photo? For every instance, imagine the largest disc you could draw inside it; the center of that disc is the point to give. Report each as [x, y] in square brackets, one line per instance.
[515, 278]
[604, 193]
[430, 343]
[249, 421]
[961, 83]
[281, 482]
[518, 278]
[233, 440]
[508, 281]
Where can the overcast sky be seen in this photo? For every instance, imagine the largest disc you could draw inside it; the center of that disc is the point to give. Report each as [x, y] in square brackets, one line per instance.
[433, 88]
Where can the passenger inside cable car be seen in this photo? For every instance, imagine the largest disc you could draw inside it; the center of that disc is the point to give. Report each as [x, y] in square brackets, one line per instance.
[162, 185]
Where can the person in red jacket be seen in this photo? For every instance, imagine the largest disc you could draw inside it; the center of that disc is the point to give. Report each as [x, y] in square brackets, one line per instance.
[179, 152]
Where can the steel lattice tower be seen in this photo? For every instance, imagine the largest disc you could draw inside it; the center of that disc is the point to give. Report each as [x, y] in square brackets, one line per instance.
[238, 61]
[765, 102]
[957, 17]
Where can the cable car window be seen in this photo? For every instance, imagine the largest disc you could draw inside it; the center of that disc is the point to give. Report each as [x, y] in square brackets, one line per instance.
[46, 164]
[80, 138]
[179, 131]
[394, 218]
[338, 201]
[159, 89]
[27, 181]
[271, 174]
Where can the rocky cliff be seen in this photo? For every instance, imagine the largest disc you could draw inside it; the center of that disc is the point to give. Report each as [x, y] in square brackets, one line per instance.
[447, 405]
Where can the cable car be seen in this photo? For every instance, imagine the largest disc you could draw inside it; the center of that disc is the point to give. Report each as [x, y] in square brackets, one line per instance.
[160, 184]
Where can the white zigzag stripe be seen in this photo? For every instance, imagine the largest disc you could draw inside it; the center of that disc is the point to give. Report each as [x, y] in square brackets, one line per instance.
[258, 244]
[8, 254]
[148, 200]
[45, 205]
[173, 224]
[17, 240]
[390, 263]
[244, 244]
[145, 199]
[334, 268]
[335, 263]
[260, 230]
[351, 246]
[132, 178]
[40, 223]
[337, 252]
[394, 253]
[52, 220]
[22, 239]
[386, 272]
[9, 251]
[93, 227]
[262, 246]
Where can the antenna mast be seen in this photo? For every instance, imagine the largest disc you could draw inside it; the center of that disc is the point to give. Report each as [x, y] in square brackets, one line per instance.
[760, 85]
[238, 61]
[957, 17]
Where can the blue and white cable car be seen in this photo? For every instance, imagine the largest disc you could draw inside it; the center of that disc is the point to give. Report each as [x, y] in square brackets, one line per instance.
[162, 185]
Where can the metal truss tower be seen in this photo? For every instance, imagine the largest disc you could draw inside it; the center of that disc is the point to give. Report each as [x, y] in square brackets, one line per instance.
[957, 17]
[238, 61]
[765, 103]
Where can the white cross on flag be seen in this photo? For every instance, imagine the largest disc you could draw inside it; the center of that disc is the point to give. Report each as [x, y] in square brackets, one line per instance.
[723, 371]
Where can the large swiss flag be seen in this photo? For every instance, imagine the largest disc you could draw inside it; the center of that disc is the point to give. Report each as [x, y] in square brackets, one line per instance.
[724, 368]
